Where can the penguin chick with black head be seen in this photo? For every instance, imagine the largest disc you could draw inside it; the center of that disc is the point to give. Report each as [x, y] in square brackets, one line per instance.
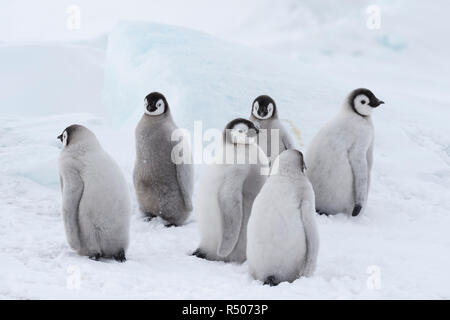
[163, 187]
[282, 237]
[226, 193]
[265, 115]
[340, 156]
[95, 197]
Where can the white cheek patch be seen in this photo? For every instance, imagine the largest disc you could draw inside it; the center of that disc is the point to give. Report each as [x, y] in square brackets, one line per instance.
[255, 109]
[160, 106]
[65, 136]
[270, 111]
[362, 108]
[239, 134]
[267, 116]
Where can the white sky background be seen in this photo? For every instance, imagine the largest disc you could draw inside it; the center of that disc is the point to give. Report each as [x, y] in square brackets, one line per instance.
[243, 21]
[26, 20]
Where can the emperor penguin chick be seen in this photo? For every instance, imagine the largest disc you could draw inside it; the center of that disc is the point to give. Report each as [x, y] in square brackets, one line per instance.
[265, 115]
[227, 191]
[282, 237]
[95, 197]
[163, 186]
[340, 156]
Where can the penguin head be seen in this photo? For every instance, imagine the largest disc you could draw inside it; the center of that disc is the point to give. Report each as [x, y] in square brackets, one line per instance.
[263, 108]
[241, 131]
[155, 104]
[76, 134]
[289, 163]
[363, 101]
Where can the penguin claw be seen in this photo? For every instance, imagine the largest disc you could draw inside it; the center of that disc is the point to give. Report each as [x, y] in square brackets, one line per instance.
[95, 257]
[322, 213]
[356, 210]
[120, 257]
[199, 254]
[170, 225]
[149, 217]
[271, 281]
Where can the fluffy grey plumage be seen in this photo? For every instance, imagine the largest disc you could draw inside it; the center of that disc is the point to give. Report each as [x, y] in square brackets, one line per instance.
[340, 156]
[96, 202]
[265, 115]
[226, 195]
[163, 188]
[283, 241]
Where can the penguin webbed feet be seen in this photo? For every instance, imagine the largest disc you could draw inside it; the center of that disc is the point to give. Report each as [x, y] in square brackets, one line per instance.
[120, 257]
[322, 213]
[271, 281]
[95, 256]
[199, 254]
[149, 216]
[356, 210]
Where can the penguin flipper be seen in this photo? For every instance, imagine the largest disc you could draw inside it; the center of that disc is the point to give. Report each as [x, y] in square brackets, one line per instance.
[360, 169]
[231, 211]
[72, 190]
[185, 181]
[312, 237]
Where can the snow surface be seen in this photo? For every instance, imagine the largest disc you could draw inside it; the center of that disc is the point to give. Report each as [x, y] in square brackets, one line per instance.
[308, 58]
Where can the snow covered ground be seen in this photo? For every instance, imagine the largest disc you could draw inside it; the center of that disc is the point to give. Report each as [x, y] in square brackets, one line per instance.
[307, 57]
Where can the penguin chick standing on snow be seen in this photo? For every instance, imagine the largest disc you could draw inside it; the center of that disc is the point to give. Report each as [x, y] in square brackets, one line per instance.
[340, 156]
[265, 114]
[282, 237]
[163, 188]
[95, 197]
[227, 191]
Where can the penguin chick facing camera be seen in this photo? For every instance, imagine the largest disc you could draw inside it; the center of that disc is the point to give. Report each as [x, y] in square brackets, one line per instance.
[265, 115]
[282, 237]
[340, 156]
[227, 191]
[163, 186]
[95, 198]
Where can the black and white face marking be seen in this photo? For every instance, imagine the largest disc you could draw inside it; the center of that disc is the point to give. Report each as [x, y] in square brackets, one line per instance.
[65, 137]
[363, 101]
[155, 104]
[263, 107]
[241, 131]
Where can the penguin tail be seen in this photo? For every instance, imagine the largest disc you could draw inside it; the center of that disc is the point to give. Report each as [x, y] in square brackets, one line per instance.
[271, 281]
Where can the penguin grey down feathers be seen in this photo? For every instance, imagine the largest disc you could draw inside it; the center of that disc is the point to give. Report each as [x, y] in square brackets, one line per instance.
[265, 116]
[227, 191]
[340, 156]
[282, 237]
[163, 187]
[95, 197]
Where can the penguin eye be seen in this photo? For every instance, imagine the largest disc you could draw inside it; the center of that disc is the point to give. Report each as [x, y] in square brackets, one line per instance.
[363, 101]
[145, 103]
[256, 106]
[159, 104]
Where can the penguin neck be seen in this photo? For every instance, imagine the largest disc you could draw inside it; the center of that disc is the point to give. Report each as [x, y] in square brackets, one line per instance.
[166, 116]
[349, 112]
[82, 147]
[264, 122]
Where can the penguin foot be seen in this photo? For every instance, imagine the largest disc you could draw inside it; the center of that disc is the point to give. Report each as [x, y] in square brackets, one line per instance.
[120, 257]
[95, 257]
[199, 254]
[271, 281]
[322, 213]
[356, 210]
[149, 217]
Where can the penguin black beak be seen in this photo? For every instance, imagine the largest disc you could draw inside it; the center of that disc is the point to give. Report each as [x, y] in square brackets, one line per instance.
[376, 103]
[60, 137]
